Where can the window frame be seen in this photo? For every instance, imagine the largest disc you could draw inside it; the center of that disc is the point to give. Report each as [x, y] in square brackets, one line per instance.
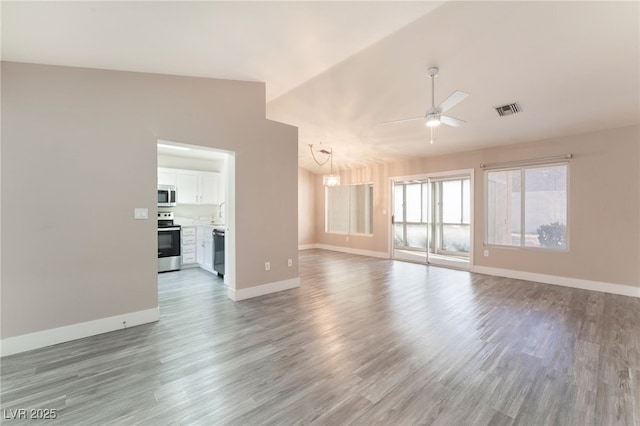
[522, 168]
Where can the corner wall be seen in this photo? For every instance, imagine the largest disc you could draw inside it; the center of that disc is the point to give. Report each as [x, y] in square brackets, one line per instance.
[79, 154]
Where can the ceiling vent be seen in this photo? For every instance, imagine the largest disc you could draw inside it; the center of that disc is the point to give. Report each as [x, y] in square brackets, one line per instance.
[509, 109]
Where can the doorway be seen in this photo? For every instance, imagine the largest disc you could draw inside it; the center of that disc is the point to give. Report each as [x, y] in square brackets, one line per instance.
[204, 180]
[432, 220]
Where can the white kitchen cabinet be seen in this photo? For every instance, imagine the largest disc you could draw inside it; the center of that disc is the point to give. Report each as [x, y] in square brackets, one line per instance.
[167, 176]
[210, 188]
[196, 187]
[189, 246]
[204, 247]
[187, 187]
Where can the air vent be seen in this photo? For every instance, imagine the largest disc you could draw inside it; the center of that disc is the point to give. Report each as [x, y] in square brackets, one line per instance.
[509, 109]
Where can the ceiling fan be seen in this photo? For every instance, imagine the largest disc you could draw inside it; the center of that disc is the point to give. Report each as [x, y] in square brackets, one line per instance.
[434, 115]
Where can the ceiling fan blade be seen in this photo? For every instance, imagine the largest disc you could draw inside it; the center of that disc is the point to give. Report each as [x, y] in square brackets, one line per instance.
[452, 100]
[403, 119]
[451, 121]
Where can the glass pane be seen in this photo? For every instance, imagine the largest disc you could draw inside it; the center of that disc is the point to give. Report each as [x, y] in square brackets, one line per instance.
[546, 207]
[398, 202]
[165, 240]
[398, 234]
[413, 203]
[417, 236]
[455, 238]
[503, 208]
[338, 209]
[361, 197]
[452, 201]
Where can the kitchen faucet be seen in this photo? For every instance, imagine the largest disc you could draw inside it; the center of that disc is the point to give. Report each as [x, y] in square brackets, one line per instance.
[220, 209]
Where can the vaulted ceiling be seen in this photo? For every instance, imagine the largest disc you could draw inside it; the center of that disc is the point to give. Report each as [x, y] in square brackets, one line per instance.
[338, 69]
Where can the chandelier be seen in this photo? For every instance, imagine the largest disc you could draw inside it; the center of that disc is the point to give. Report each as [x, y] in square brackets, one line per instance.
[330, 179]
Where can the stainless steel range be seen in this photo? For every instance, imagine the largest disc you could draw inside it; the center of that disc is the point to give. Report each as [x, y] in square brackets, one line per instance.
[169, 258]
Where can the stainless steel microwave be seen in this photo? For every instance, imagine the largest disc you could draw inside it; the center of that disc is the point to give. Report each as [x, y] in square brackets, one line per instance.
[167, 196]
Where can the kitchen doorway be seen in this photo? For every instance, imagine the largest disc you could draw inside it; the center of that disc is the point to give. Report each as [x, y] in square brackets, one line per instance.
[204, 180]
[432, 219]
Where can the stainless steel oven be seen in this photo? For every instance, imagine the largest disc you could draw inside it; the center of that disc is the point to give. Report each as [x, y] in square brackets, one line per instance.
[169, 256]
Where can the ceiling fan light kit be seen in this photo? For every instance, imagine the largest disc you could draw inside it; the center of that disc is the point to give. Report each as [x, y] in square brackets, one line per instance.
[434, 117]
[433, 120]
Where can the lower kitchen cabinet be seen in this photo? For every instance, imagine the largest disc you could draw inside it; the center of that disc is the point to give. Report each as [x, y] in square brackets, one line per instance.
[204, 247]
[189, 246]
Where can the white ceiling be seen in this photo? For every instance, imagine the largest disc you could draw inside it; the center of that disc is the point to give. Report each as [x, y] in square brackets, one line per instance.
[338, 69]
[280, 43]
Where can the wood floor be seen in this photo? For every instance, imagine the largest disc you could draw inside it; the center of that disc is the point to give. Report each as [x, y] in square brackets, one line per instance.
[363, 341]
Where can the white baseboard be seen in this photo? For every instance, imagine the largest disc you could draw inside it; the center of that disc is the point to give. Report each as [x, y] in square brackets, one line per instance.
[40, 339]
[623, 290]
[370, 253]
[306, 246]
[261, 290]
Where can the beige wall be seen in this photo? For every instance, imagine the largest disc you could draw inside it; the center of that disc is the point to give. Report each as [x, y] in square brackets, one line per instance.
[79, 154]
[604, 205]
[306, 207]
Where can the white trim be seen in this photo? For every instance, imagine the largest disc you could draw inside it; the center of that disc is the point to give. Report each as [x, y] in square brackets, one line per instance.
[40, 339]
[370, 253]
[261, 290]
[306, 246]
[623, 290]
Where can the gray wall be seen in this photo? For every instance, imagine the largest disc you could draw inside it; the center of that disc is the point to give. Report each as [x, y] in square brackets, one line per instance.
[79, 153]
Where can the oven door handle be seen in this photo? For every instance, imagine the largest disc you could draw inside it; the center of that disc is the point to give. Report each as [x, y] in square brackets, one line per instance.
[169, 229]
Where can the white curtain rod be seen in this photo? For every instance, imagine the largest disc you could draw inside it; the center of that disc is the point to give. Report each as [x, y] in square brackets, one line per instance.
[526, 162]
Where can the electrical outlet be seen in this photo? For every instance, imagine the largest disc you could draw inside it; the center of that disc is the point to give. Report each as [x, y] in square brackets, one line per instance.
[267, 266]
[347, 238]
[486, 253]
[290, 262]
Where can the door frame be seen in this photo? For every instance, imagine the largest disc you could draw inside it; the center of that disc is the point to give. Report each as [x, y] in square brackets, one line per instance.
[428, 176]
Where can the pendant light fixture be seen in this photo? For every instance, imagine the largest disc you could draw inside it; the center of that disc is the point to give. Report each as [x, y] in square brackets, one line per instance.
[330, 179]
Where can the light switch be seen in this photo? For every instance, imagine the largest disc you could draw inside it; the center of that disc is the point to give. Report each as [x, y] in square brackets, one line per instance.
[141, 213]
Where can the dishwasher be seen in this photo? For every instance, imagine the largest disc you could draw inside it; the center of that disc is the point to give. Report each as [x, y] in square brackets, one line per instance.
[218, 251]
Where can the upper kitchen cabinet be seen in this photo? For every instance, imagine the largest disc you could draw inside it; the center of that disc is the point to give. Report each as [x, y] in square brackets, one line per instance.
[167, 176]
[210, 188]
[196, 187]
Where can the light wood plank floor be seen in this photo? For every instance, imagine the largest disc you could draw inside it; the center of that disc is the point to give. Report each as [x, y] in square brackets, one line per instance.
[363, 341]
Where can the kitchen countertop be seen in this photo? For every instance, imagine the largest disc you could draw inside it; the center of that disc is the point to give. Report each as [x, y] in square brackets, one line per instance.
[190, 221]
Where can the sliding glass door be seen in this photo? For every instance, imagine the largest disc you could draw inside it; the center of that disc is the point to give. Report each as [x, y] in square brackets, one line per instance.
[432, 220]
[412, 220]
[453, 234]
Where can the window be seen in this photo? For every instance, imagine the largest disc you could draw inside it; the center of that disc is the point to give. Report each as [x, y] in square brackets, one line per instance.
[527, 207]
[349, 209]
